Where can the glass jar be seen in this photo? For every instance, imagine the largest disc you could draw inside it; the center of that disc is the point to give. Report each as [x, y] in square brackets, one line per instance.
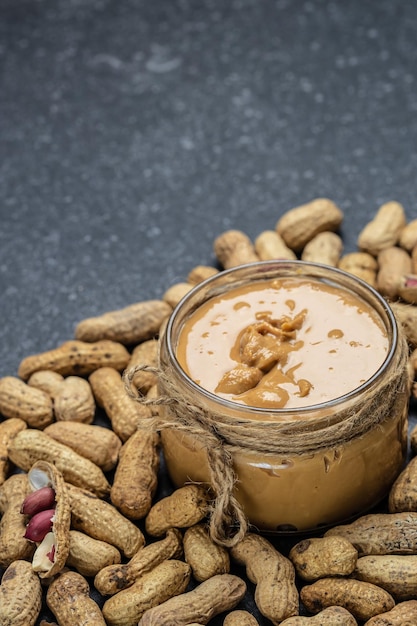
[295, 469]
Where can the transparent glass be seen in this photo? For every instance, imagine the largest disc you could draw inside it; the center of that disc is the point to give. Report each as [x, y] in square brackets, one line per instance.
[289, 490]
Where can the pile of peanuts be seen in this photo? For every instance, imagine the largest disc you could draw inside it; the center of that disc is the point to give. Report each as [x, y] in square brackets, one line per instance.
[82, 531]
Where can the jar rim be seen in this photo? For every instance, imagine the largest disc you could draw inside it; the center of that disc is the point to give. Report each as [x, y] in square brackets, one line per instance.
[312, 270]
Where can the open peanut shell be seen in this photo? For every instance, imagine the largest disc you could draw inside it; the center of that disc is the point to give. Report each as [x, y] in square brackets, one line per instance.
[52, 552]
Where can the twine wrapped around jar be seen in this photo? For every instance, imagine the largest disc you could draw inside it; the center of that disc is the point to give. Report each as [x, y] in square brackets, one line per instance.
[223, 436]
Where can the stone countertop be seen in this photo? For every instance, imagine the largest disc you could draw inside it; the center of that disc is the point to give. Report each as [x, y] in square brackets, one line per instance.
[133, 133]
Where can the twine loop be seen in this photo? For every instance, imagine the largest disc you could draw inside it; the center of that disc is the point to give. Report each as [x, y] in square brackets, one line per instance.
[222, 435]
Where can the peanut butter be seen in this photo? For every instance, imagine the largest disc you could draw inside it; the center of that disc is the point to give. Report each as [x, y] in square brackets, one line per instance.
[287, 342]
[299, 372]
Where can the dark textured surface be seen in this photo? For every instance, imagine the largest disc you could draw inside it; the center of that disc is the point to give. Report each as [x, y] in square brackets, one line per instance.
[132, 133]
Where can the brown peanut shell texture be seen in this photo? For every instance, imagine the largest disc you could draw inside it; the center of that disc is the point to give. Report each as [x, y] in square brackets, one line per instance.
[169, 578]
[205, 557]
[406, 315]
[319, 557]
[8, 429]
[101, 520]
[98, 444]
[69, 600]
[211, 597]
[175, 293]
[363, 600]
[393, 264]
[325, 247]
[403, 614]
[146, 353]
[113, 578]
[20, 595]
[89, 556]
[110, 394]
[332, 616]
[380, 533]
[77, 358]
[19, 400]
[232, 248]
[276, 594]
[361, 264]
[300, 224]
[384, 229]
[62, 517]
[200, 273]
[395, 573]
[269, 245]
[403, 493]
[183, 508]
[31, 445]
[129, 325]
[13, 545]
[46, 380]
[240, 618]
[74, 401]
[136, 475]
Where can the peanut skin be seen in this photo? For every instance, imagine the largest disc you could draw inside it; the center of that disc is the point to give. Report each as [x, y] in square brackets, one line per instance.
[20, 595]
[136, 476]
[76, 358]
[113, 578]
[168, 579]
[129, 325]
[362, 599]
[69, 600]
[211, 597]
[276, 594]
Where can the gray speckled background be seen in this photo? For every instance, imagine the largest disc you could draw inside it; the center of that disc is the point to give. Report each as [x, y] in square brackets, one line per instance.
[132, 133]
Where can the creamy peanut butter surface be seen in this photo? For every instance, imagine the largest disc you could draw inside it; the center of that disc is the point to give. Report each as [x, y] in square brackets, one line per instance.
[289, 342]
